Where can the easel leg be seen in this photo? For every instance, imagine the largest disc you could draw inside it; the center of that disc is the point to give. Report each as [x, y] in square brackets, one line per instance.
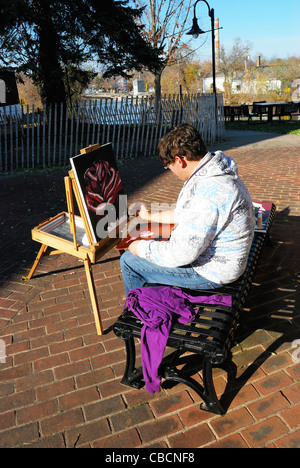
[91, 285]
[37, 260]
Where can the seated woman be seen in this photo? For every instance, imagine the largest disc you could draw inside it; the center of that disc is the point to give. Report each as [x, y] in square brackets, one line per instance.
[214, 221]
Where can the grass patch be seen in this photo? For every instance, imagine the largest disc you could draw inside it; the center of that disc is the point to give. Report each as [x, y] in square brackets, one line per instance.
[291, 127]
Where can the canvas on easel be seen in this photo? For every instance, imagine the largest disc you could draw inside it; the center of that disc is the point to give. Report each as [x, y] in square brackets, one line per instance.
[78, 235]
[100, 187]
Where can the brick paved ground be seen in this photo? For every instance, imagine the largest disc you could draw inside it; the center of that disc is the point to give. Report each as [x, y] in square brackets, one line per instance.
[60, 384]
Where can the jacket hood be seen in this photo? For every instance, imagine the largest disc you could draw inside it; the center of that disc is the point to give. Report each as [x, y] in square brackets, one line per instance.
[216, 164]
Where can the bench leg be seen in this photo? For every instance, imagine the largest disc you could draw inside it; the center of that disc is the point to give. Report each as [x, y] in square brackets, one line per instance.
[132, 377]
[211, 402]
[207, 392]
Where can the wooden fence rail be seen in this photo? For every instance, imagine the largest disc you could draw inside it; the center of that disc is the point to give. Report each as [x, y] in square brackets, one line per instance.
[31, 137]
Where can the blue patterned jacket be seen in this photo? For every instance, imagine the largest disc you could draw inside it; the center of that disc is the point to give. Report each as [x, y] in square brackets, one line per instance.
[214, 223]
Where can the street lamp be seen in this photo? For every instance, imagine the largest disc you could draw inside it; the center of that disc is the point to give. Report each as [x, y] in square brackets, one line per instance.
[195, 31]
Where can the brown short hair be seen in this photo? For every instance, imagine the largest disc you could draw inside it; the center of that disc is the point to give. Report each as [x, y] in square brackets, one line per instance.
[184, 140]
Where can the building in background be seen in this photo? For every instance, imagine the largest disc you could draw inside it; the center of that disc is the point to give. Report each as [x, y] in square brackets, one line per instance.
[138, 86]
[8, 88]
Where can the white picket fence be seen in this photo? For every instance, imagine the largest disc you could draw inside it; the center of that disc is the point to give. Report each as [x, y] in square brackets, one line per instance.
[31, 137]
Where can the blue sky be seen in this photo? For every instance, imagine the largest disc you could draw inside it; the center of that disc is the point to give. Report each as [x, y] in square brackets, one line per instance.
[271, 26]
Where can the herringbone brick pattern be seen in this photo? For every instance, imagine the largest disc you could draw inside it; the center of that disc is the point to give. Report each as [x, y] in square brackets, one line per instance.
[60, 382]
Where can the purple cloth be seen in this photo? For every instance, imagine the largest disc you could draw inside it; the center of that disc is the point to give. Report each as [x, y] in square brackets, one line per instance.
[155, 307]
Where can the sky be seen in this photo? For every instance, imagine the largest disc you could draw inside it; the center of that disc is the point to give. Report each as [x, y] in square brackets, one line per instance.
[271, 26]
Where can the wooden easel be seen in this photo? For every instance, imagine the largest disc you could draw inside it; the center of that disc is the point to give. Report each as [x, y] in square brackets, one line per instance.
[91, 254]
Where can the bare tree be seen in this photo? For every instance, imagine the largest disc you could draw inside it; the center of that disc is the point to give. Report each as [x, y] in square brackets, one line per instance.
[235, 61]
[165, 23]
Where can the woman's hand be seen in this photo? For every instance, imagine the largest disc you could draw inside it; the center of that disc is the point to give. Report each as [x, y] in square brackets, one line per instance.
[141, 210]
[162, 216]
[144, 213]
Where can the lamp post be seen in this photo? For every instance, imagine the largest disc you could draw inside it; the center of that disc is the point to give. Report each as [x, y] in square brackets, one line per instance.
[195, 31]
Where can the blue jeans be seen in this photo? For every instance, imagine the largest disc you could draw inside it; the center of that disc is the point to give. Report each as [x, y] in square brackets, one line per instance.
[138, 271]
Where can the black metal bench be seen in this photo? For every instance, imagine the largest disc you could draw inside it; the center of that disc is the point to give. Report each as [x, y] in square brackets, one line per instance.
[210, 335]
[286, 110]
[231, 112]
[258, 111]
